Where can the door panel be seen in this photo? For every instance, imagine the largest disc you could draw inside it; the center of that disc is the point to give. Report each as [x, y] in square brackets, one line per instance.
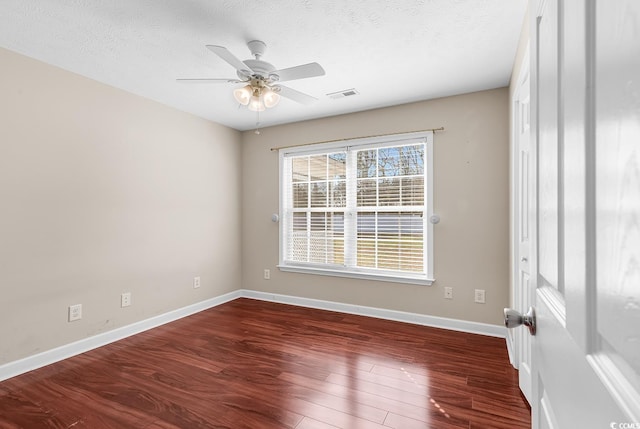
[547, 420]
[548, 144]
[586, 269]
[575, 149]
[617, 193]
[575, 395]
[524, 190]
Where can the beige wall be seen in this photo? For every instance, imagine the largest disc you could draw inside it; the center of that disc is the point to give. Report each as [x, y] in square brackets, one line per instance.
[471, 196]
[104, 192]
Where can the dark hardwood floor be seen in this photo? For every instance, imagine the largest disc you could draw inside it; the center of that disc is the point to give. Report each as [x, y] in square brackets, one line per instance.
[253, 364]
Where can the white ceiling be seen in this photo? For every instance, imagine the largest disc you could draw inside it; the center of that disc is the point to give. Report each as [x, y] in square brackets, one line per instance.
[391, 52]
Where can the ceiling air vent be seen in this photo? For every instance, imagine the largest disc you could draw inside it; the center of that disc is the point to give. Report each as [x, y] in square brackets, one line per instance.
[344, 93]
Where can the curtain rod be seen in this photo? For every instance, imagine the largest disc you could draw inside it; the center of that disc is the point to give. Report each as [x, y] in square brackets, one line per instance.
[354, 138]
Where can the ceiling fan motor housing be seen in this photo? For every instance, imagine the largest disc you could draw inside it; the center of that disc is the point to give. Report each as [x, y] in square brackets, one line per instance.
[259, 68]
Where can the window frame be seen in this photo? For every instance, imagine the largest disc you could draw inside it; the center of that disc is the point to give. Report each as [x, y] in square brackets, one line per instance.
[427, 278]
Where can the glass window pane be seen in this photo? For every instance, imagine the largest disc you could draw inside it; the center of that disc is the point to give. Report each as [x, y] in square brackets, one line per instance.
[337, 256]
[401, 161]
[300, 195]
[389, 162]
[335, 238]
[367, 161]
[411, 224]
[412, 191]
[318, 250]
[337, 165]
[319, 194]
[338, 193]
[298, 244]
[366, 256]
[318, 167]
[388, 254]
[389, 192]
[300, 169]
[318, 222]
[367, 193]
[391, 241]
[326, 242]
[411, 254]
[388, 224]
[299, 222]
[335, 224]
[366, 225]
[366, 240]
[412, 160]
[298, 248]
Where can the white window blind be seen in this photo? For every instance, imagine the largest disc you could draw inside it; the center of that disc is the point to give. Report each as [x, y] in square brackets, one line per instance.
[359, 209]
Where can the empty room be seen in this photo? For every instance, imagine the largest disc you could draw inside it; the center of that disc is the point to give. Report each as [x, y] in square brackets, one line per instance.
[320, 214]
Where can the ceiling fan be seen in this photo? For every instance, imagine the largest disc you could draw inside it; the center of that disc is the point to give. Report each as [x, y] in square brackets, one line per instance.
[262, 89]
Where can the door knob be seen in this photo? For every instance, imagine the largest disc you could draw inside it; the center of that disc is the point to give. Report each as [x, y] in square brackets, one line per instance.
[513, 319]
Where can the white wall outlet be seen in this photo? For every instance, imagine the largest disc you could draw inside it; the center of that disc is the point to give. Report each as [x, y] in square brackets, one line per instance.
[448, 293]
[125, 299]
[75, 312]
[479, 296]
[267, 274]
[196, 282]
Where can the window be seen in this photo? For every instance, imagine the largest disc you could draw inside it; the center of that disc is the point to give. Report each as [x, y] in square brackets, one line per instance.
[359, 208]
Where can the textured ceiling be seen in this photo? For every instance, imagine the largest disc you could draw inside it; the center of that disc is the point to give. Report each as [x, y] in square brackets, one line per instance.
[391, 52]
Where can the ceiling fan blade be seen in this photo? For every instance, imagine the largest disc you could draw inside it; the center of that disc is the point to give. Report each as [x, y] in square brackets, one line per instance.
[224, 53]
[294, 95]
[209, 80]
[300, 72]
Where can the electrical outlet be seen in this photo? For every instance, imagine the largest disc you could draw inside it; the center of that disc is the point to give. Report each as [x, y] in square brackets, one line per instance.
[196, 282]
[75, 312]
[479, 296]
[448, 293]
[267, 274]
[125, 299]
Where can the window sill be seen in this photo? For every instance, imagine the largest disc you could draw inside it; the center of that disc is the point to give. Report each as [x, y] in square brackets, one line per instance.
[357, 275]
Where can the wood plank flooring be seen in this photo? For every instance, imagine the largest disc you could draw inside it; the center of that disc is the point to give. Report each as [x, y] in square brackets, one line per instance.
[253, 364]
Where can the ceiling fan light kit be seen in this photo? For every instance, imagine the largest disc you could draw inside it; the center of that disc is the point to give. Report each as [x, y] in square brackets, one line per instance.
[243, 95]
[257, 96]
[259, 91]
[270, 98]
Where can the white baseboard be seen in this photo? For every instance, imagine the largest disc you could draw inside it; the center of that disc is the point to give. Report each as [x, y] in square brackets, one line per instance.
[381, 313]
[66, 351]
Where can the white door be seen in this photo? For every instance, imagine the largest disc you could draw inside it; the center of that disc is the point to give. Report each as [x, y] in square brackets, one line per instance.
[586, 267]
[522, 228]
